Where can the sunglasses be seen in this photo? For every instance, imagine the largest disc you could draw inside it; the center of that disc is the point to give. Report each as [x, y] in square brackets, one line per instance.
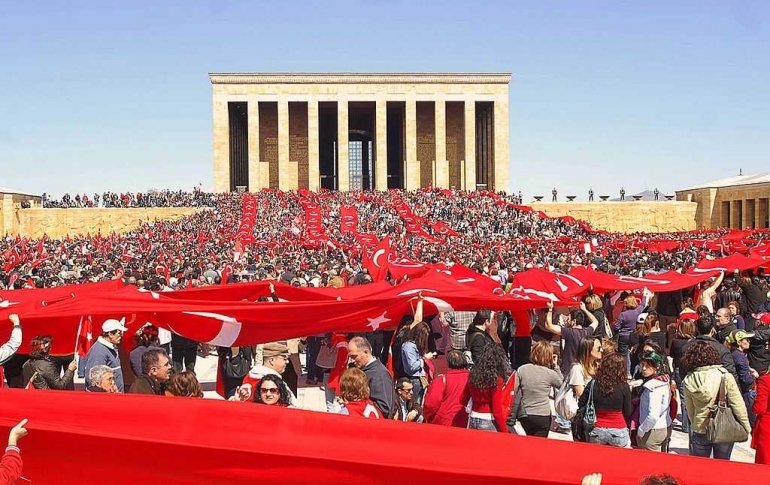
[269, 390]
[411, 389]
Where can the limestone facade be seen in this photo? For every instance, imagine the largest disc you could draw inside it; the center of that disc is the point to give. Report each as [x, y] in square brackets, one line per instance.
[439, 128]
[731, 203]
[627, 217]
[57, 223]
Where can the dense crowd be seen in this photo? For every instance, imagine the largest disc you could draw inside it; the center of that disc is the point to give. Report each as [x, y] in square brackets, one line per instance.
[623, 370]
[494, 235]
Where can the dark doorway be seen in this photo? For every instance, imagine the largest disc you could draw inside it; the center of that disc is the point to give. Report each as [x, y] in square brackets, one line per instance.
[239, 145]
[396, 143]
[361, 145]
[327, 144]
[485, 144]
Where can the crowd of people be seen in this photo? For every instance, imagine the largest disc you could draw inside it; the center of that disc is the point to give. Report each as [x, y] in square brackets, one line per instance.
[622, 370]
[161, 198]
[494, 236]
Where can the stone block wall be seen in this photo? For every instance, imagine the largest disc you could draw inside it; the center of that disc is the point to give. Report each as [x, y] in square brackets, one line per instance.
[268, 140]
[627, 217]
[298, 142]
[426, 141]
[57, 223]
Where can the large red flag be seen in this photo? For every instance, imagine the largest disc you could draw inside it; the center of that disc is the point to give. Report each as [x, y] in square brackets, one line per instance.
[377, 264]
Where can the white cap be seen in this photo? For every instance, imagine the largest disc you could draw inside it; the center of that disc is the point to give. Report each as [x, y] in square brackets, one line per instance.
[641, 318]
[111, 325]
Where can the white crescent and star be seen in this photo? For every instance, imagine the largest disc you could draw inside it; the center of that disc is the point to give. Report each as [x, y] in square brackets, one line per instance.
[377, 321]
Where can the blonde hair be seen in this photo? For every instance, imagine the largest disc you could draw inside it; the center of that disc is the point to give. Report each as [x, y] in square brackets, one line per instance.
[593, 302]
[354, 385]
[631, 302]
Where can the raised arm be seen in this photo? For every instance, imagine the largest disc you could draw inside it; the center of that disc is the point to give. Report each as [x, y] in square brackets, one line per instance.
[548, 325]
[418, 311]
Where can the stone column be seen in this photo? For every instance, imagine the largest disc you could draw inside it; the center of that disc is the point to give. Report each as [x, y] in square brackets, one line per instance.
[502, 140]
[221, 143]
[412, 168]
[470, 144]
[343, 160]
[381, 144]
[735, 214]
[763, 209]
[255, 183]
[314, 173]
[442, 165]
[283, 146]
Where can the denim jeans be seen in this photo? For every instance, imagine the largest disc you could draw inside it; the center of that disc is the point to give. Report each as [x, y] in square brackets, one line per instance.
[700, 446]
[682, 407]
[331, 402]
[748, 398]
[482, 424]
[610, 436]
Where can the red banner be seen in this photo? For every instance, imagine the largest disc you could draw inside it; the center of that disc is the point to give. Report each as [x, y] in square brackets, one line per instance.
[348, 220]
[314, 230]
[220, 442]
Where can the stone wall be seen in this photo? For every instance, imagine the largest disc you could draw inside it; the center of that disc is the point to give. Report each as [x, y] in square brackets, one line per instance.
[627, 216]
[57, 223]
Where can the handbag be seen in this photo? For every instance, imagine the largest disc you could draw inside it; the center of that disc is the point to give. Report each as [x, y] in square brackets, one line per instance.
[566, 403]
[327, 357]
[722, 427]
[589, 414]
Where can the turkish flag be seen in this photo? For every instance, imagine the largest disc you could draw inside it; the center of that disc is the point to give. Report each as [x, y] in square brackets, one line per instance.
[348, 219]
[443, 229]
[377, 264]
[85, 336]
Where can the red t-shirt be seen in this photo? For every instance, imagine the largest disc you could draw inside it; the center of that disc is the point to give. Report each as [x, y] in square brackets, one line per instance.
[364, 409]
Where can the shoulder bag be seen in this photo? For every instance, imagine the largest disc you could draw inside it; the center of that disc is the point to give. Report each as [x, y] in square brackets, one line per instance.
[722, 427]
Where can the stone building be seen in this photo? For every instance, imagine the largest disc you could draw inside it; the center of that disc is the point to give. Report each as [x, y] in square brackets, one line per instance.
[360, 131]
[11, 201]
[738, 202]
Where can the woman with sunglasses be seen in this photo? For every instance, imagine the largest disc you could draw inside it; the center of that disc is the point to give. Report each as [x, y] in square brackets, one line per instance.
[654, 407]
[272, 391]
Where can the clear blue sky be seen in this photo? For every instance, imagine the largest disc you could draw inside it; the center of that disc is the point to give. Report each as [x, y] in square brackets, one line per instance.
[96, 96]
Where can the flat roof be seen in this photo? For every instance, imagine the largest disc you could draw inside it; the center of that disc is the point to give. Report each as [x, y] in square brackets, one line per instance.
[360, 78]
[7, 190]
[761, 178]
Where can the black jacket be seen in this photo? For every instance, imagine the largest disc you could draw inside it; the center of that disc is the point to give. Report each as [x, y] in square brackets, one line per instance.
[46, 375]
[475, 340]
[759, 356]
[724, 332]
[752, 296]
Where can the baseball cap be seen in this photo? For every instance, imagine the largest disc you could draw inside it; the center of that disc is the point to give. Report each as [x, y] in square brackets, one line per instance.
[738, 335]
[641, 318]
[111, 325]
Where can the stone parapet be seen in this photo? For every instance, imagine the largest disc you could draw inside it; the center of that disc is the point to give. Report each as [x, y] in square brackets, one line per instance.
[57, 223]
[627, 216]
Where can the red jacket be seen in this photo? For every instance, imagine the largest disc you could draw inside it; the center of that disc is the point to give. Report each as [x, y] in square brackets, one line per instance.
[760, 436]
[491, 401]
[10, 467]
[446, 398]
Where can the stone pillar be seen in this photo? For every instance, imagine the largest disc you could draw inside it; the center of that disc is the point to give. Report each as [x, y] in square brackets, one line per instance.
[381, 144]
[343, 160]
[470, 144]
[255, 182]
[221, 144]
[441, 174]
[502, 139]
[763, 209]
[314, 173]
[283, 146]
[412, 168]
[736, 207]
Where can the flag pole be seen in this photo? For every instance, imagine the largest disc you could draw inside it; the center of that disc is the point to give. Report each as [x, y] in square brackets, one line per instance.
[77, 336]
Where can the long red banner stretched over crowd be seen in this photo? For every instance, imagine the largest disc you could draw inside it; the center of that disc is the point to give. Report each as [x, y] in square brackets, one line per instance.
[314, 229]
[411, 221]
[229, 315]
[131, 439]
